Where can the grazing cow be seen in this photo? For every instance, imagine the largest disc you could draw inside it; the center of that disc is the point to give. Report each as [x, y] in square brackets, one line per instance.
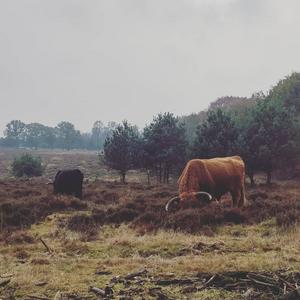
[68, 182]
[211, 178]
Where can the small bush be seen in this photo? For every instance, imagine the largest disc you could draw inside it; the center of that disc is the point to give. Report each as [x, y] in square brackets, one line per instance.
[27, 165]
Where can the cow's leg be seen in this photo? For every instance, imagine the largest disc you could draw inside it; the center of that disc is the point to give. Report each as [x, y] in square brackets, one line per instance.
[243, 200]
[236, 195]
[80, 193]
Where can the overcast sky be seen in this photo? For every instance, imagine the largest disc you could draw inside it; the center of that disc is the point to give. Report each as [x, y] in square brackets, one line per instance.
[87, 60]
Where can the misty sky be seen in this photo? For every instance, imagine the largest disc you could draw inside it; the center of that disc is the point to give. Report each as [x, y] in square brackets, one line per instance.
[87, 60]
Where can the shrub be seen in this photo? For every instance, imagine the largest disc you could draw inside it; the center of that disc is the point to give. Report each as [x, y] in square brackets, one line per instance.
[27, 165]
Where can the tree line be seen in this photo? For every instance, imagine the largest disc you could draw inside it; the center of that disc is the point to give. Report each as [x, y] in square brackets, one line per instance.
[264, 130]
[63, 136]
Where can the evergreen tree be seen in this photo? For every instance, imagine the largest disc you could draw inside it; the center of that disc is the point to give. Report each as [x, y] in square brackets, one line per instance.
[122, 149]
[216, 137]
[270, 139]
[164, 145]
[287, 92]
[190, 124]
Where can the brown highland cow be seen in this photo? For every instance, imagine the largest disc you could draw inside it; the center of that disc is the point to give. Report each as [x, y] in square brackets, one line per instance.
[211, 178]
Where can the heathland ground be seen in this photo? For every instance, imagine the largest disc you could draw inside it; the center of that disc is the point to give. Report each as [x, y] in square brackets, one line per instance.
[119, 243]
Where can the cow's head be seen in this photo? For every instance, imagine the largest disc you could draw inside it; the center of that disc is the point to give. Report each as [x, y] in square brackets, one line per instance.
[174, 203]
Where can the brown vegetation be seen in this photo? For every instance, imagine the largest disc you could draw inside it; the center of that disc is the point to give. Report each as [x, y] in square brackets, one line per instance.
[23, 203]
[26, 202]
[144, 210]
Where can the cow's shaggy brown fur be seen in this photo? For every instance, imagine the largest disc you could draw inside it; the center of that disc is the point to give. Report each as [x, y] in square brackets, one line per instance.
[216, 176]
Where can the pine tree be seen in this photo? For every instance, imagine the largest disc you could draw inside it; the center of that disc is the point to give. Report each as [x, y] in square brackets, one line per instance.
[164, 145]
[122, 149]
[216, 137]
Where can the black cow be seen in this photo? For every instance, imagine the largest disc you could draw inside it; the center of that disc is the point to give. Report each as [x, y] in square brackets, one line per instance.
[68, 182]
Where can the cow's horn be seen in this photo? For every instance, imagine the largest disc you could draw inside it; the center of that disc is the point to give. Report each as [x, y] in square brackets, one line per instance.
[175, 199]
[204, 193]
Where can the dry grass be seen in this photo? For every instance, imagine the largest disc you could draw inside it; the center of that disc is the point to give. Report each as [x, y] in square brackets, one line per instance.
[72, 265]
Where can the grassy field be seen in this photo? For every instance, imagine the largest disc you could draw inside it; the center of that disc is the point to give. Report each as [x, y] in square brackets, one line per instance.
[118, 242]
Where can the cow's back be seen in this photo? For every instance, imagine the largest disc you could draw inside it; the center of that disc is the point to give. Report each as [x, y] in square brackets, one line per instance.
[226, 171]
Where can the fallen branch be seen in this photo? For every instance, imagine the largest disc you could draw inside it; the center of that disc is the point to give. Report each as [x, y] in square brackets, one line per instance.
[97, 291]
[46, 246]
[263, 278]
[271, 285]
[290, 285]
[210, 280]
[135, 274]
